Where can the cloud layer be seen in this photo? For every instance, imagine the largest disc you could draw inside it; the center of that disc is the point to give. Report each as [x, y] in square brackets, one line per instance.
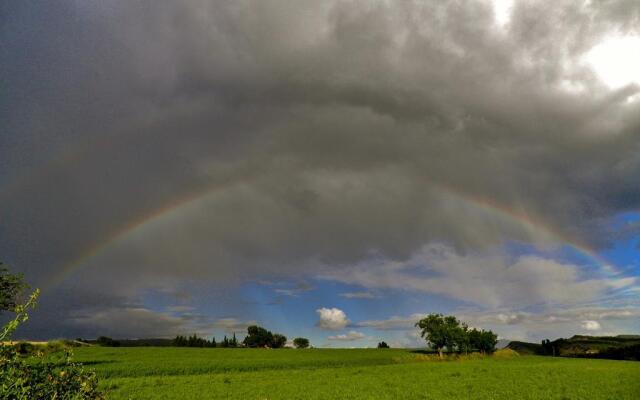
[151, 145]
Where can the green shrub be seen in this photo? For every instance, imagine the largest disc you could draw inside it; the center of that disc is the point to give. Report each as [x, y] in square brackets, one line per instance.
[26, 378]
[25, 373]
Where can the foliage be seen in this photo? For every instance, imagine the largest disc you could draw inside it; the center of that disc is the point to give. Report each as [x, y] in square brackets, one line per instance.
[483, 341]
[622, 347]
[21, 316]
[202, 373]
[278, 341]
[107, 341]
[11, 285]
[226, 342]
[301, 343]
[442, 331]
[193, 341]
[383, 345]
[446, 331]
[37, 377]
[257, 336]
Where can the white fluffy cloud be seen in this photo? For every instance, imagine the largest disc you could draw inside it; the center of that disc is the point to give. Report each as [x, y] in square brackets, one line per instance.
[348, 337]
[332, 318]
[489, 280]
[591, 325]
[520, 325]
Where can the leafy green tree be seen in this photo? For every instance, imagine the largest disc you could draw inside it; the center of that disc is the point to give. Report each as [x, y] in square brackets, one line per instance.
[11, 285]
[383, 345]
[257, 336]
[483, 341]
[442, 331]
[301, 343]
[278, 341]
[213, 342]
[488, 342]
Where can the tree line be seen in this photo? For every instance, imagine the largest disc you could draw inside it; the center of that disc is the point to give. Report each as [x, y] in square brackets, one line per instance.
[195, 341]
[448, 332]
[257, 336]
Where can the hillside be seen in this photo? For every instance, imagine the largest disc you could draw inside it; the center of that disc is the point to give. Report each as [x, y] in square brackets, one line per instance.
[525, 348]
[622, 347]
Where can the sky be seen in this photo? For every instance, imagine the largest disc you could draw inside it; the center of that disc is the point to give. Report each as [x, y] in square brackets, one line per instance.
[334, 170]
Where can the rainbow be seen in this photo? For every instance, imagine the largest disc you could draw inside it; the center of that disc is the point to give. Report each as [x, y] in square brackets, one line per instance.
[126, 230]
[179, 204]
[534, 224]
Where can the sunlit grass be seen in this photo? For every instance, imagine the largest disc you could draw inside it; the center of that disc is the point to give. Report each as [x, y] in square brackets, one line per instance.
[184, 373]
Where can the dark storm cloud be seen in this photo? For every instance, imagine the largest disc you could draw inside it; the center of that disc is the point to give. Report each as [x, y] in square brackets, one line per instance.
[325, 131]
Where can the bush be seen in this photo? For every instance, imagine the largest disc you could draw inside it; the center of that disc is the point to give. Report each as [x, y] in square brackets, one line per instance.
[39, 378]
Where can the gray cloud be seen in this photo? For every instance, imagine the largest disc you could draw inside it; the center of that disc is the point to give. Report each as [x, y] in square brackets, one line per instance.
[358, 295]
[320, 133]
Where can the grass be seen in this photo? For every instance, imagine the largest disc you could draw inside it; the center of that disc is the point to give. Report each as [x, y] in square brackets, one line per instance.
[186, 373]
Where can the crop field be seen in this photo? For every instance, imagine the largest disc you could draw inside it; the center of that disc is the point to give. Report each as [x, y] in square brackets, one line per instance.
[192, 373]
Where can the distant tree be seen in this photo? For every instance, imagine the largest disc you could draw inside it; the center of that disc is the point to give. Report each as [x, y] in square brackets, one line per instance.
[278, 341]
[11, 285]
[258, 337]
[489, 341]
[442, 331]
[213, 342]
[233, 342]
[225, 342]
[107, 341]
[301, 343]
[483, 341]
[383, 345]
[193, 341]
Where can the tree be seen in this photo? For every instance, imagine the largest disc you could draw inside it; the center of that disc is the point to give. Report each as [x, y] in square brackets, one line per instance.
[301, 343]
[441, 331]
[483, 341]
[278, 341]
[233, 342]
[257, 336]
[383, 345]
[11, 285]
[107, 341]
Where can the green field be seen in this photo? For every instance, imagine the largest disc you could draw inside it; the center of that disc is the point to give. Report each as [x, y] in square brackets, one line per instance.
[188, 373]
